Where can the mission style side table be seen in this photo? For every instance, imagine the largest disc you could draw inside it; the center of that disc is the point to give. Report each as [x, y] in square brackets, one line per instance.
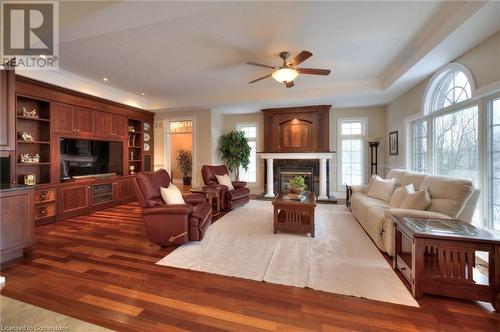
[213, 195]
[438, 256]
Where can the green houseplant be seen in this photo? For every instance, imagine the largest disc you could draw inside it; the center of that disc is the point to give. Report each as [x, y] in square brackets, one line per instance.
[297, 184]
[185, 165]
[235, 151]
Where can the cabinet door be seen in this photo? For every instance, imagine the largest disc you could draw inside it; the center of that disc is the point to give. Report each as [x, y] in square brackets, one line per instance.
[120, 126]
[124, 190]
[85, 121]
[105, 124]
[7, 110]
[74, 199]
[63, 118]
[17, 221]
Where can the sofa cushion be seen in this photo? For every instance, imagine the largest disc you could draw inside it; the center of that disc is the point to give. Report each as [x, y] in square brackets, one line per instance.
[399, 195]
[381, 189]
[419, 200]
[413, 178]
[449, 195]
[397, 175]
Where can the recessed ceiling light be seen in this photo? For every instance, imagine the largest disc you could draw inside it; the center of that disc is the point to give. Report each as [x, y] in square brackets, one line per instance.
[105, 79]
[143, 93]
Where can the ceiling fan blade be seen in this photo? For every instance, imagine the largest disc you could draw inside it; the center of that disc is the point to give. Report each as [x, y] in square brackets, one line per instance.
[289, 84]
[313, 71]
[260, 78]
[299, 58]
[259, 65]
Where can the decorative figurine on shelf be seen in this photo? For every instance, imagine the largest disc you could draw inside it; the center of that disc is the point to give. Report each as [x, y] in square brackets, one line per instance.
[131, 140]
[131, 129]
[30, 114]
[25, 136]
[30, 179]
[27, 158]
[132, 169]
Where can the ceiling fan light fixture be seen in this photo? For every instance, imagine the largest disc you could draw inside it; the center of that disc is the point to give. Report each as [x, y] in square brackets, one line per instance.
[284, 75]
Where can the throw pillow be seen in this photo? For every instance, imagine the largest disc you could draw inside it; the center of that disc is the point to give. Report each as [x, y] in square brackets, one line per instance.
[370, 183]
[172, 195]
[399, 196]
[225, 180]
[381, 189]
[419, 200]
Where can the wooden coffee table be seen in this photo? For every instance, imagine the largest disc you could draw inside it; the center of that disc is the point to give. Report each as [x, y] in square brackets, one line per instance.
[294, 216]
[437, 256]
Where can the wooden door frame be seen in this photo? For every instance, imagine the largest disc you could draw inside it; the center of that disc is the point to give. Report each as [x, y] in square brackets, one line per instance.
[167, 146]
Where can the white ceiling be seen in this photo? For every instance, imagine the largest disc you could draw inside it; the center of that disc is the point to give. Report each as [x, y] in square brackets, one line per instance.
[193, 54]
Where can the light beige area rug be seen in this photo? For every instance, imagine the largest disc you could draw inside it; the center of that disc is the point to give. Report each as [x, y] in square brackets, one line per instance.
[340, 259]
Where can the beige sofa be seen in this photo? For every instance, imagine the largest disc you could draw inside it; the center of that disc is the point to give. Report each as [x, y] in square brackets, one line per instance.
[451, 198]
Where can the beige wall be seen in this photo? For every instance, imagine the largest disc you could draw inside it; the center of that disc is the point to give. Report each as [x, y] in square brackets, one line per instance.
[202, 138]
[483, 63]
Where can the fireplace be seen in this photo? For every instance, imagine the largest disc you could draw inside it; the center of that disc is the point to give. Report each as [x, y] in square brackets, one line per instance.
[297, 142]
[285, 169]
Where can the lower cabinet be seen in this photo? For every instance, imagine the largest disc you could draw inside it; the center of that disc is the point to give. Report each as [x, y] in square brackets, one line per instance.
[74, 199]
[124, 190]
[85, 196]
[45, 205]
[17, 224]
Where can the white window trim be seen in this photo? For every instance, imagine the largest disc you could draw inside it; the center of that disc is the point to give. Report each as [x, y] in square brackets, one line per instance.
[487, 184]
[364, 168]
[256, 124]
[436, 79]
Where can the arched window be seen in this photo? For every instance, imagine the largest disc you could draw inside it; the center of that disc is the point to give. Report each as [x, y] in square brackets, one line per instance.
[453, 88]
[451, 85]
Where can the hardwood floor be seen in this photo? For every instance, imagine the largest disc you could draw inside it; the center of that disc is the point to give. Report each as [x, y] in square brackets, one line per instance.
[100, 268]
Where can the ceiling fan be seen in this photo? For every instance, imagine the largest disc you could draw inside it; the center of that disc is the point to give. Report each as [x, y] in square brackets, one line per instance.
[288, 71]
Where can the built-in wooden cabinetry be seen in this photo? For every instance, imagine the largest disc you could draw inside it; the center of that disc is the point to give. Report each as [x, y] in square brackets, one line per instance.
[63, 113]
[297, 129]
[17, 227]
[69, 119]
[111, 125]
[7, 114]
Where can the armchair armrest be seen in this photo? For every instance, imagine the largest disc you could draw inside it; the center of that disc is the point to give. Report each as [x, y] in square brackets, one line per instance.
[358, 188]
[239, 184]
[415, 213]
[193, 198]
[177, 209]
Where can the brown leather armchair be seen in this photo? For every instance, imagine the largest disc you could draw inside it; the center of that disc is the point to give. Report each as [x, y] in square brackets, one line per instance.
[170, 223]
[240, 195]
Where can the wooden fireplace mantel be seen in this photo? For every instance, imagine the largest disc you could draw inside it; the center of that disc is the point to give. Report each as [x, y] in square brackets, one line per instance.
[297, 129]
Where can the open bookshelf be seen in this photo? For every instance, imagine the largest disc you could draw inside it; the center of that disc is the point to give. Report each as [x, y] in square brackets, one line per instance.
[38, 129]
[135, 145]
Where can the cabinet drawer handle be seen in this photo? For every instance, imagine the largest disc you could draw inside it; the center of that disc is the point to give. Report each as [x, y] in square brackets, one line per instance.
[42, 197]
[43, 211]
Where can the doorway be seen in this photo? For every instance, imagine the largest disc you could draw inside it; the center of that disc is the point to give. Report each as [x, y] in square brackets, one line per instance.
[179, 141]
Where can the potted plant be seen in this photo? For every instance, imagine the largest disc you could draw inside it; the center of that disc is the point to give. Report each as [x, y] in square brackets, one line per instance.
[235, 151]
[185, 165]
[297, 184]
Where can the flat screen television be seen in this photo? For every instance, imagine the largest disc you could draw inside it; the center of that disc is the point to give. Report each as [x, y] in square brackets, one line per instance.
[81, 157]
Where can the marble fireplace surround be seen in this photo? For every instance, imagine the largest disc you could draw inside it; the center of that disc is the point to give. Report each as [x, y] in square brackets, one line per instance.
[321, 156]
